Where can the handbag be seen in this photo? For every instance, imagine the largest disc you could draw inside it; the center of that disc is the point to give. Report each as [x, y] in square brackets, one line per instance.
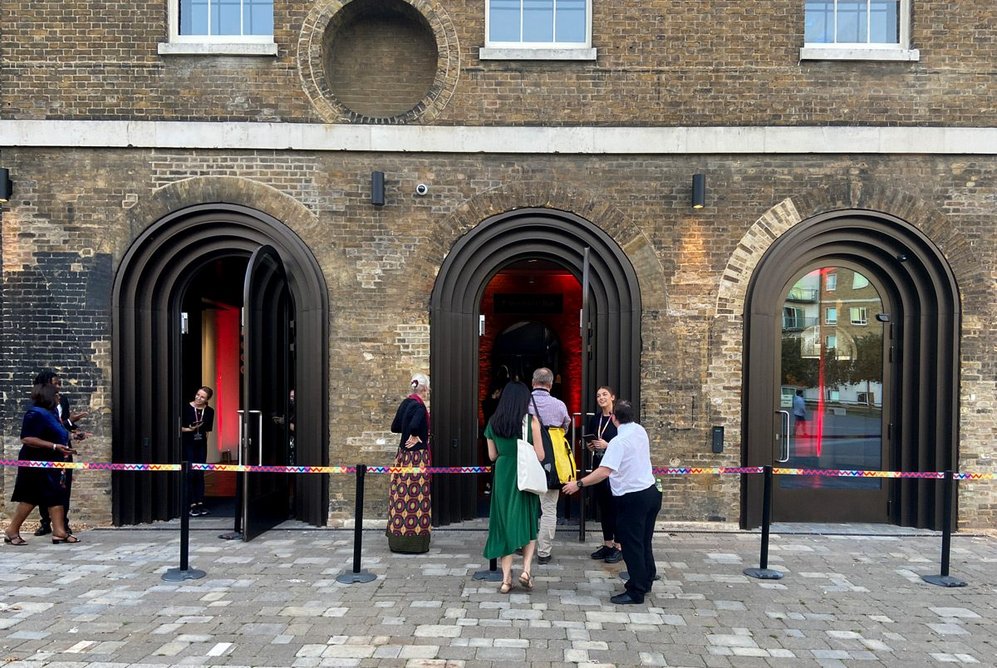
[530, 476]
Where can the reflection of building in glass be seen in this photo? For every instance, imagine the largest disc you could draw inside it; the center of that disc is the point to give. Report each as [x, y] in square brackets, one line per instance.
[832, 342]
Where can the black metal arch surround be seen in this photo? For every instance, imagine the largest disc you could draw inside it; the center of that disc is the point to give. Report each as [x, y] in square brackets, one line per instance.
[924, 296]
[148, 287]
[614, 324]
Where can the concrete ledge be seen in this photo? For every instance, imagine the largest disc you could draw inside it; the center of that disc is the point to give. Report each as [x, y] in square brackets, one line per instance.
[582, 140]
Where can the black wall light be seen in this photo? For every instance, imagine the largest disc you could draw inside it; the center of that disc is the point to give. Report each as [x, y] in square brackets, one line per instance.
[377, 188]
[698, 191]
[6, 186]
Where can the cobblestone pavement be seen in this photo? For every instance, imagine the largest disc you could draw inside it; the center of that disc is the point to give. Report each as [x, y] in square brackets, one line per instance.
[846, 600]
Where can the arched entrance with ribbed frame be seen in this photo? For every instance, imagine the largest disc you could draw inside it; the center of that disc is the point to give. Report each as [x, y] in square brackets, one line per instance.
[151, 290]
[609, 328]
[867, 272]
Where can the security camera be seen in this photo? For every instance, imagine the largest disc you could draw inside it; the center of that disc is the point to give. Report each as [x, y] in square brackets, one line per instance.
[421, 189]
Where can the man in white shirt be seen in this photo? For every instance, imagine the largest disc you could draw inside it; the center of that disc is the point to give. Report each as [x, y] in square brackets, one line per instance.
[627, 464]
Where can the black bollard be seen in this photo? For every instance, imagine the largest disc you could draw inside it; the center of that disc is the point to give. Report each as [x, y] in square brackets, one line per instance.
[763, 572]
[491, 575]
[944, 579]
[184, 572]
[357, 575]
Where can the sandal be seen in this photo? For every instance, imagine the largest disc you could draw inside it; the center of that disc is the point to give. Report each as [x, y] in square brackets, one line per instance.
[68, 538]
[15, 540]
[505, 588]
[527, 581]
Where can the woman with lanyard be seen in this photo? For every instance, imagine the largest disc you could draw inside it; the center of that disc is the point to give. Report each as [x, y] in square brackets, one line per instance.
[601, 431]
[197, 420]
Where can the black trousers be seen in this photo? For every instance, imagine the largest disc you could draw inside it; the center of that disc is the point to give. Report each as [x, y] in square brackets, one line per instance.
[195, 452]
[606, 502]
[635, 516]
[46, 519]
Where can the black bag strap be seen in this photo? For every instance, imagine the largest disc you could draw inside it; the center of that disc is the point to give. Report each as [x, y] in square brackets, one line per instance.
[537, 409]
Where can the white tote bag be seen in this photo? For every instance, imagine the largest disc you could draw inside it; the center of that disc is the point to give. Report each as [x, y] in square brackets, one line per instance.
[530, 476]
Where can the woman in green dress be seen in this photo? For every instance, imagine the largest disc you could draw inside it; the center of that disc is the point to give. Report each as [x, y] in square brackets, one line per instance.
[512, 518]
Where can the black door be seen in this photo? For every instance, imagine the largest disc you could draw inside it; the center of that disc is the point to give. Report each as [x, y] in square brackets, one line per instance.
[267, 364]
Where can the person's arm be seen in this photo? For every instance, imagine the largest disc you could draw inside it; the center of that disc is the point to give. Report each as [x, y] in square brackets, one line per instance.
[593, 478]
[208, 419]
[492, 450]
[538, 444]
[42, 444]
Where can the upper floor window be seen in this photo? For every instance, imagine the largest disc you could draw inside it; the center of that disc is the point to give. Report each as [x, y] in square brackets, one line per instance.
[226, 17]
[232, 27]
[538, 29]
[831, 281]
[857, 30]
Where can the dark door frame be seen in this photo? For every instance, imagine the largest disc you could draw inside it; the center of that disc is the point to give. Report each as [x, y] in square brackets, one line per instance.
[925, 297]
[475, 258]
[148, 286]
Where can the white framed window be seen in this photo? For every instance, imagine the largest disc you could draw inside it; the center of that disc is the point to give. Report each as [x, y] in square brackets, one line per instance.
[831, 315]
[857, 30]
[228, 27]
[538, 30]
[831, 342]
[831, 281]
[858, 315]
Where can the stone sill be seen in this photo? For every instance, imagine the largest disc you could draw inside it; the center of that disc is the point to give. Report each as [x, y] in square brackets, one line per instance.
[887, 53]
[217, 49]
[493, 53]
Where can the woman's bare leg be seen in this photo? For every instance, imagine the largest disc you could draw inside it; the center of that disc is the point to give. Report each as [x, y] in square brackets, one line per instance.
[20, 514]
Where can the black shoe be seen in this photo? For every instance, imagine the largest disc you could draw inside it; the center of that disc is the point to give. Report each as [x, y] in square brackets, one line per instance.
[602, 552]
[543, 560]
[43, 530]
[625, 599]
[615, 556]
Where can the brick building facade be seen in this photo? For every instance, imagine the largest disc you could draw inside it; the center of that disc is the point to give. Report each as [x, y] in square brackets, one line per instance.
[146, 168]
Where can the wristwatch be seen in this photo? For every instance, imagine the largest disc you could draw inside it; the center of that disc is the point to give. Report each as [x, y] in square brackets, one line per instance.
[579, 483]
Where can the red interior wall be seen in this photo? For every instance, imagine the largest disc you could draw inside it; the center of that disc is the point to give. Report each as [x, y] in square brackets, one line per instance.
[564, 324]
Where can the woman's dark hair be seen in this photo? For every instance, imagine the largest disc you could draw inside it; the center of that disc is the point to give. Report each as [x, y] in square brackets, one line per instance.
[44, 395]
[207, 390]
[507, 420]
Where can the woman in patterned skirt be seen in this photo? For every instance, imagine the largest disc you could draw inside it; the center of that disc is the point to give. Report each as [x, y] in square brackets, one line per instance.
[408, 497]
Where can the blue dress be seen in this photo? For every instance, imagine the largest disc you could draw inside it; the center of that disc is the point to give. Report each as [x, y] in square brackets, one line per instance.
[512, 516]
[41, 487]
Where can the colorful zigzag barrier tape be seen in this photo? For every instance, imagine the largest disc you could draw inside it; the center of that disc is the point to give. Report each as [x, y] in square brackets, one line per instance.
[428, 470]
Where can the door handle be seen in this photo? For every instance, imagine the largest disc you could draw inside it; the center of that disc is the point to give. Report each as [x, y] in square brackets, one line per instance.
[241, 444]
[259, 436]
[784, 436]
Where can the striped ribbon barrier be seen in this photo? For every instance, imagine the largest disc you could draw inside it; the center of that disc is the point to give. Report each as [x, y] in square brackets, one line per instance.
[391, 470]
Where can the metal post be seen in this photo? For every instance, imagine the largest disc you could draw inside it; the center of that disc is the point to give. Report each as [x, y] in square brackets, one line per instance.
[763, 572]
[943, 579]
[491, 575]
[356, 575]
[184, 572]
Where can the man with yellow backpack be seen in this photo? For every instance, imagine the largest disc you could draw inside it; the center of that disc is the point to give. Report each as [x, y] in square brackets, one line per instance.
[553, 414]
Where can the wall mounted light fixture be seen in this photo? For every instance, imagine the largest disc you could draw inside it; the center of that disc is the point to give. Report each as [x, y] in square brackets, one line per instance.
[377, 188]
[6, 186]
[698, 191]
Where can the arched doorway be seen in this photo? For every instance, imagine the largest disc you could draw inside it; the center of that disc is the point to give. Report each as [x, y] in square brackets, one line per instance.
[153, 366]
[609, 353]
[851, 362]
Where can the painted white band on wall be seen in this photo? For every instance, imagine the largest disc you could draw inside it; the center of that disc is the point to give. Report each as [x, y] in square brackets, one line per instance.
[501, 139]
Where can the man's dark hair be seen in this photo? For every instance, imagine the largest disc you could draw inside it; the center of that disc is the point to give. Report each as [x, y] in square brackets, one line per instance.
[623, 411]
[45, 377]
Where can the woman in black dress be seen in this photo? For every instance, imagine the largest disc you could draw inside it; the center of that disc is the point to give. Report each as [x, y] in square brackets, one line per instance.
[197, 420]
[601, 431]
[43, 439]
